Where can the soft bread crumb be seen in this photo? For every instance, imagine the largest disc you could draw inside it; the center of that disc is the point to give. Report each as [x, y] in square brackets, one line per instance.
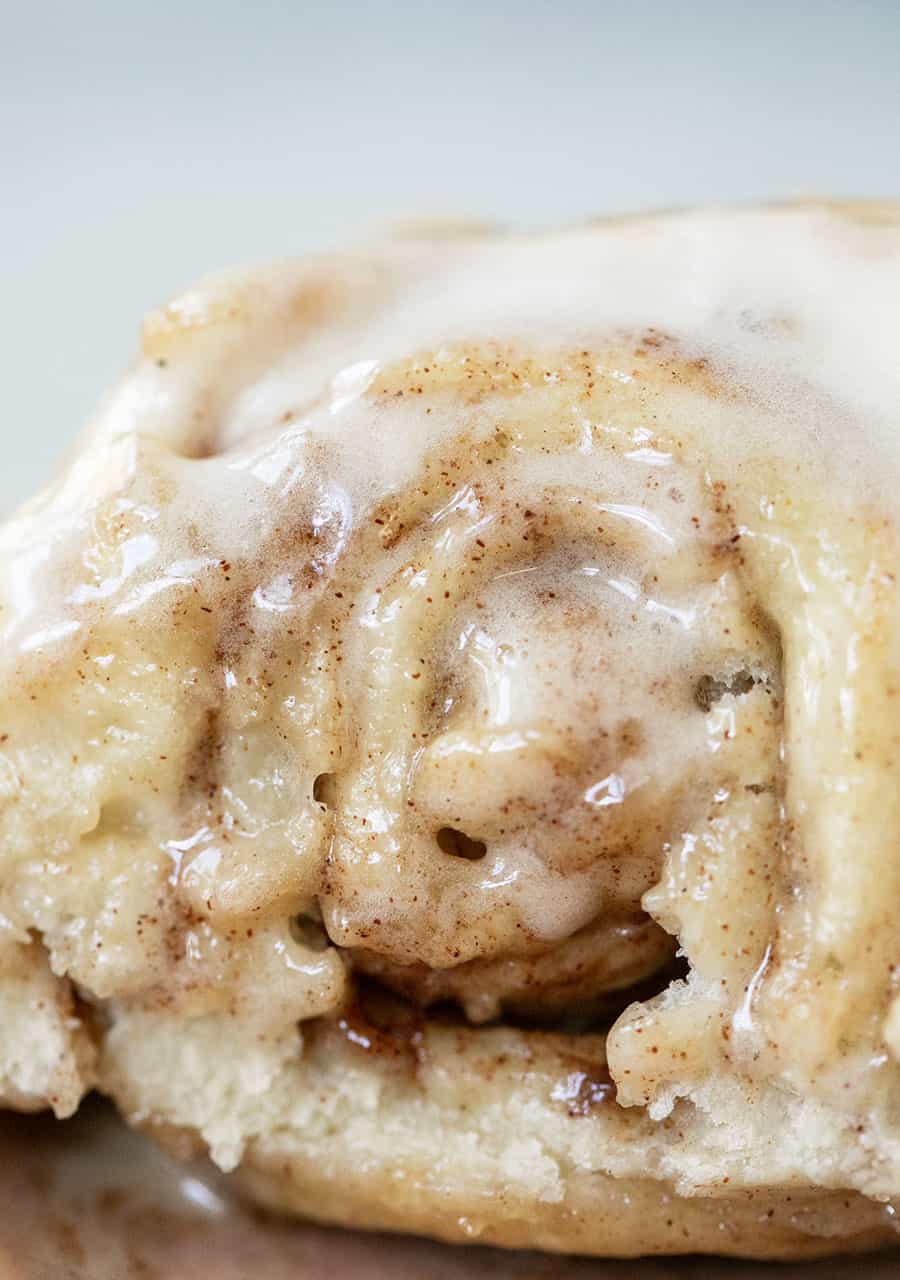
[46, 1053]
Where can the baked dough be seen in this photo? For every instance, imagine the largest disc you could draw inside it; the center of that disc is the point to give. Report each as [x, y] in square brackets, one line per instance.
[449, 747]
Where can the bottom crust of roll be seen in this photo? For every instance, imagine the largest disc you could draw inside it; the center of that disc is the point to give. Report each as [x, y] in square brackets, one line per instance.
[496, 1136]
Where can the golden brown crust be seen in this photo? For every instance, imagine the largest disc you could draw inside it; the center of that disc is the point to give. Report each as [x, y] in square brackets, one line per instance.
[599, 1216]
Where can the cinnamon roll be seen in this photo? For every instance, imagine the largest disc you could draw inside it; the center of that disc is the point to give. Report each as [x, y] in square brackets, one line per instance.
[449, 748]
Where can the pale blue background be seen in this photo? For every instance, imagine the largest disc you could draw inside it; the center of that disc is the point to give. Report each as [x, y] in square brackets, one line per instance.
[144, 144]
